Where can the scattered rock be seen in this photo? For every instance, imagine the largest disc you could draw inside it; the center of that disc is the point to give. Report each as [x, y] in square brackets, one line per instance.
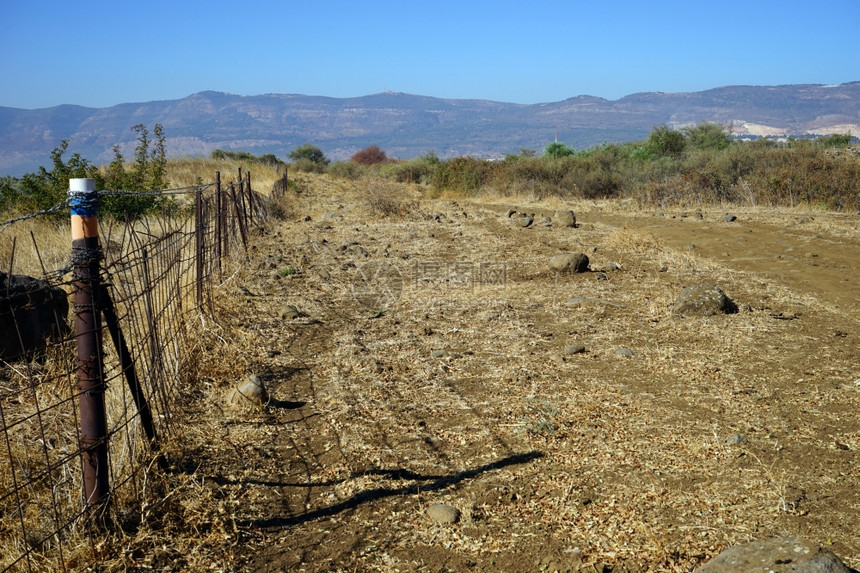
[690, 246]
[779, 555]
[511, 213]
[290, 312]
[703, 300]
[699, 217]
[526, 220]
[735, 440]
[613, 267]
[602, 277]
[574, 349]
[443, 353]
[573, 262]
[354, 249]
[546, 221]
[564, 218]
[730, 218]
[443, 513]
[249, 393]
[626, 352]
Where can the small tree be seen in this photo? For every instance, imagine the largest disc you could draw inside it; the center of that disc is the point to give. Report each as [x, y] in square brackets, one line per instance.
[557, 149]
[371, 155]
[309, 153]
[49, 188]
[665, 142]
[707, 136]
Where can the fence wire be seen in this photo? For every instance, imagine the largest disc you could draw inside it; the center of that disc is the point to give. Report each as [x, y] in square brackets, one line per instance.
[157, 276]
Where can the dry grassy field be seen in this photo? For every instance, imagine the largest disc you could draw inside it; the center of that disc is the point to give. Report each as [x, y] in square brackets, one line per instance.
[420, 350]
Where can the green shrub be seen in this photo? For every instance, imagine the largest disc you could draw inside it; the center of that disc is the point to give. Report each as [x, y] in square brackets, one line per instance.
[308, 153]
[463, 174]
[346, 170]
[557, 149]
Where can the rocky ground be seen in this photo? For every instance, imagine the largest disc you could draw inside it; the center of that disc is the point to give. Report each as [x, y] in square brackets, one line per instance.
[439, 398]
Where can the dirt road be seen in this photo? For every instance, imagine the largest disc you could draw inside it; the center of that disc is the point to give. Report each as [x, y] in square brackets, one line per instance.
[430, 355]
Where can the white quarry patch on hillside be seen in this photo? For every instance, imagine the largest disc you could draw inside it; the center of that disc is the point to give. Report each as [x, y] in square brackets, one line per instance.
[740, 127]
[842, 128]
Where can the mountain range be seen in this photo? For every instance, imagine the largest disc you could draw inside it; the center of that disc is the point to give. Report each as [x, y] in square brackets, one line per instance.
[406, 125]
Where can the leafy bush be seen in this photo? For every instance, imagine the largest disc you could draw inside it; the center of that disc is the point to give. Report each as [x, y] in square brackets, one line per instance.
[46, 189]
[464, 174]
[664, 142]
[346, 170]
[707, 136]
[557, 149]
[371, 155]
[418, 170]
[309, 154]
[147, 174]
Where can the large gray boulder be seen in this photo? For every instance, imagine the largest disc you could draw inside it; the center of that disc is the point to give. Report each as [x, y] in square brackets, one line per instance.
[703, 300]
[780, 555]
[33, 308]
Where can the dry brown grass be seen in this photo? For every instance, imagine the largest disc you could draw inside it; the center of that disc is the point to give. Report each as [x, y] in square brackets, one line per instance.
[635, 462]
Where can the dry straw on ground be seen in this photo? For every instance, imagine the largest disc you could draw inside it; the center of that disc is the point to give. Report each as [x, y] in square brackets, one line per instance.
[717, 430]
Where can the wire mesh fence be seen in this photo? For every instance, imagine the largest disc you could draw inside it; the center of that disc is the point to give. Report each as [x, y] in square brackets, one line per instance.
[155, 282]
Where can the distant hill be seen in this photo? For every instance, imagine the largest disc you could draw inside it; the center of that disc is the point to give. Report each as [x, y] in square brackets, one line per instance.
[408, 125]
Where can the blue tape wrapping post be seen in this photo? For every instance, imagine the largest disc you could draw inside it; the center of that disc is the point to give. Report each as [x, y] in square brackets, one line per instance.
[84, 203]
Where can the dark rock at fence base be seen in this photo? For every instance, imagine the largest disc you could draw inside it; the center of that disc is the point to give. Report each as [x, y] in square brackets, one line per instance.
[703, 300]
[38, 309]
[577, 263]
[730, 218]
[779, 555]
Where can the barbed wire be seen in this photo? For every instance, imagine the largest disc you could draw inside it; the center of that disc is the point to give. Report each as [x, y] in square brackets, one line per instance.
[49, 211]
[108, 193]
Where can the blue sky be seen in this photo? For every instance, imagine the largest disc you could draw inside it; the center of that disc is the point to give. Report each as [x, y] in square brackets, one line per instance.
[98, 54]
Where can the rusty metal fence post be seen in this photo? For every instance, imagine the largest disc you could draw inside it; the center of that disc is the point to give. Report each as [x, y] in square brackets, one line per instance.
[218, 229]
[86, 254]
[198, 243]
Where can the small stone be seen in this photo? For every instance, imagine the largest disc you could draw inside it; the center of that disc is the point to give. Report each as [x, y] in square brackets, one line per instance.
[249, 393]
[577, 263]
[511, 213]
[602, 277]
[730, 218]
[735, 440]
[526, 220]
[443, 513]
[290, 312]
[564, 218]
[626, 352]
[613, 267]
[574, 349]
[441, 353]
[690, 246]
